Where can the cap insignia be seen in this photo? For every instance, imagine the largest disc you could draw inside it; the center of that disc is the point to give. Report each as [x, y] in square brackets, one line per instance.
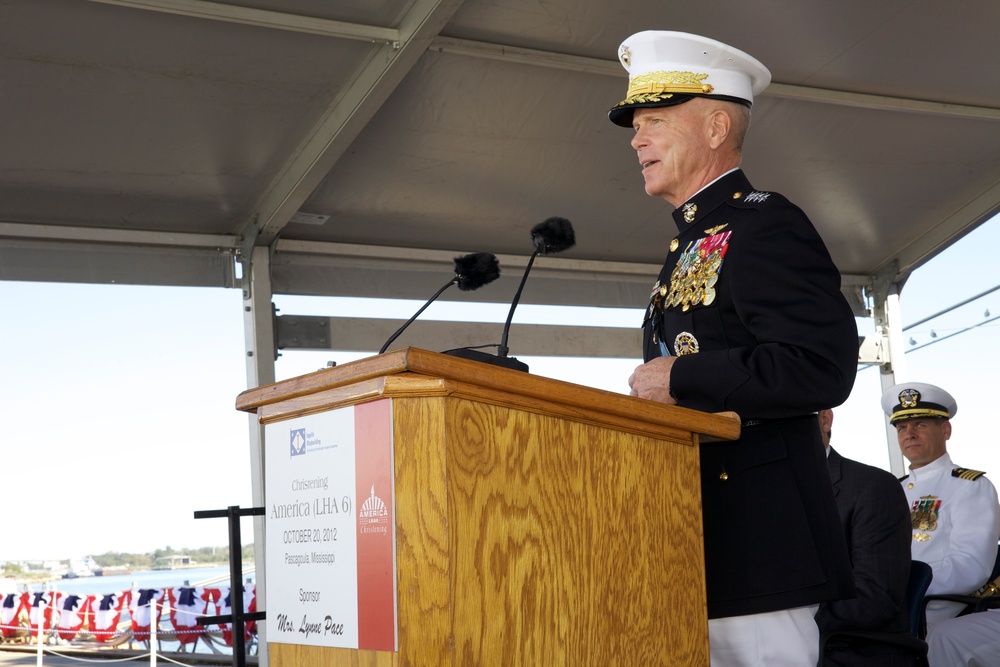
[625, 56]
[689, 210]
[908, 398]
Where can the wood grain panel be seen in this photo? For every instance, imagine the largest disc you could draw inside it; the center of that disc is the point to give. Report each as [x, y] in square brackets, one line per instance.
[290, 655]
[572, 545]
[422, 538]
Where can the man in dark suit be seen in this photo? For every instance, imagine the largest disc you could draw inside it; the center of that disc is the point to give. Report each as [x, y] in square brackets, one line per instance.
[876, 520]
[747, 315]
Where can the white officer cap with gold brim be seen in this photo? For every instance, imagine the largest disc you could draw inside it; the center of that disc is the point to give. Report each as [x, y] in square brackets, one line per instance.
[667, 68]
[917, 400]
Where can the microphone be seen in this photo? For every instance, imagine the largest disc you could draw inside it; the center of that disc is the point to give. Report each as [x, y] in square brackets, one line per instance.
[549, 237]
[471, 272]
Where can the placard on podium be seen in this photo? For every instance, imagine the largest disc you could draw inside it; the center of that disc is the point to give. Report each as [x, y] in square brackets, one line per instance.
[535, 522]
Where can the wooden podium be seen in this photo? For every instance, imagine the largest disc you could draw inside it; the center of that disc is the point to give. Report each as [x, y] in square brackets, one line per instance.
[537, 522]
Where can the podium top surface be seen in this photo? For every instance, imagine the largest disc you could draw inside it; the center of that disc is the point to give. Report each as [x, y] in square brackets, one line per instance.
[519, 386]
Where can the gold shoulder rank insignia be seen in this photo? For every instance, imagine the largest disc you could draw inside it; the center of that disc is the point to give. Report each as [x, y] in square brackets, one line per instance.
[965, 473]
[715, 230]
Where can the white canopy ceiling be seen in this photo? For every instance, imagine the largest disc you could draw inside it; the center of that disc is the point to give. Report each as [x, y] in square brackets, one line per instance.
[152, 141]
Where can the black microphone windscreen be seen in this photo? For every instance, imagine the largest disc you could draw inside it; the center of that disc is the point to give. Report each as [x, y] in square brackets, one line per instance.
[476, 270]
[553, 235]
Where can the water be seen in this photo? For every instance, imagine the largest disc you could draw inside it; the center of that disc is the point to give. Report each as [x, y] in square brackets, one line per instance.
[140, 579]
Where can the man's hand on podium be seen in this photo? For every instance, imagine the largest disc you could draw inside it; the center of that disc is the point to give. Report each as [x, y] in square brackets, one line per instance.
[652, 380]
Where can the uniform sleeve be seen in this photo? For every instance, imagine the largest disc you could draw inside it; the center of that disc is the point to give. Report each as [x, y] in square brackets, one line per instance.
[795, 345]
[879, 527]
[973, 547]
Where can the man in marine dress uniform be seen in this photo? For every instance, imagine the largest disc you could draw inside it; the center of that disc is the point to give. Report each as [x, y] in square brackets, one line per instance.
[747, 315]
[954, 512]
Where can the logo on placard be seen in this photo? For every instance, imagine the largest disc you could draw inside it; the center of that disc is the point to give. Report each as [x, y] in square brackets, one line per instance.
[297, 440]
[374, 515]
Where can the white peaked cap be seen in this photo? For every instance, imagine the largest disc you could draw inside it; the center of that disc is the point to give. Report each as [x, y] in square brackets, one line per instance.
[667, 68]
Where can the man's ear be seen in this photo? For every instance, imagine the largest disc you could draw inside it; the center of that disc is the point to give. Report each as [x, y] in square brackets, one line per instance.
[719, 126]
[825, 420]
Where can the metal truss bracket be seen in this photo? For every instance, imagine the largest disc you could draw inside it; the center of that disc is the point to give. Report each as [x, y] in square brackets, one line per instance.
[248, 239]
[876, 349]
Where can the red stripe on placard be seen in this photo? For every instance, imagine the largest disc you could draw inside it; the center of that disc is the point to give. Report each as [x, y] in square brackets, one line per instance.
[376, 567]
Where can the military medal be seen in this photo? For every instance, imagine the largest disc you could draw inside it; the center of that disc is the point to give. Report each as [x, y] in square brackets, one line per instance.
[656, 297]
[924, 514]
[693, 280]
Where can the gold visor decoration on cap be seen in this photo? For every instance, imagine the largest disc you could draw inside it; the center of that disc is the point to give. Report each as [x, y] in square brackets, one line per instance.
[654, 86]
[918, 413]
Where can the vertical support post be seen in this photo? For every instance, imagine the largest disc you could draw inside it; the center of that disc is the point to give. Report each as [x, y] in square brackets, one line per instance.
[236, 580]
[259, 340]
[888, 321]
[154, 626]
[38, 639]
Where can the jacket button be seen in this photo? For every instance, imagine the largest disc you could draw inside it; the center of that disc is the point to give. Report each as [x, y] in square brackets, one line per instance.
[724, 476]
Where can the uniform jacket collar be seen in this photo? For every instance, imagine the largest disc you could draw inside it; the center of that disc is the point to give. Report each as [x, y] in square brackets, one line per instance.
[710, 198]
[935, 467]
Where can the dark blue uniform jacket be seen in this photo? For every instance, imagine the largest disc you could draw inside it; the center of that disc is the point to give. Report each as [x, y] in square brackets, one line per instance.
[749, 300]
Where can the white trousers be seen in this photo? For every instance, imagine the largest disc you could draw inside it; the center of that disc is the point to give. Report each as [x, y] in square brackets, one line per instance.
[971, 641]
[786, 638]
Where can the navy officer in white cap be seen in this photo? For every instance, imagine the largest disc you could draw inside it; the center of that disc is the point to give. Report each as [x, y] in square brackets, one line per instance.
[746, 315]
[954, 512]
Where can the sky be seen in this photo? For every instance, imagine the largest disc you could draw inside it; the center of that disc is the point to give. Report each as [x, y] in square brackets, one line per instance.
[118, 418]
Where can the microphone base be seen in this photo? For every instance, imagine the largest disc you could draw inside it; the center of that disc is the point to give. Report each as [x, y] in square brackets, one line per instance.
[487, 358]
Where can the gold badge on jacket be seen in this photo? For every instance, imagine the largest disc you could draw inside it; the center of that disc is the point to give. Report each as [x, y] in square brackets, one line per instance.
[685, 344]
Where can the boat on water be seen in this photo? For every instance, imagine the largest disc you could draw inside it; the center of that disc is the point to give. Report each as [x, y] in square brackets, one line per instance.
[81, 567]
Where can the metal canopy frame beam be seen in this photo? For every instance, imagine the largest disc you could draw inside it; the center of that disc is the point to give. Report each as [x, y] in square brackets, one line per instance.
[262, 18]
[361, 334]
